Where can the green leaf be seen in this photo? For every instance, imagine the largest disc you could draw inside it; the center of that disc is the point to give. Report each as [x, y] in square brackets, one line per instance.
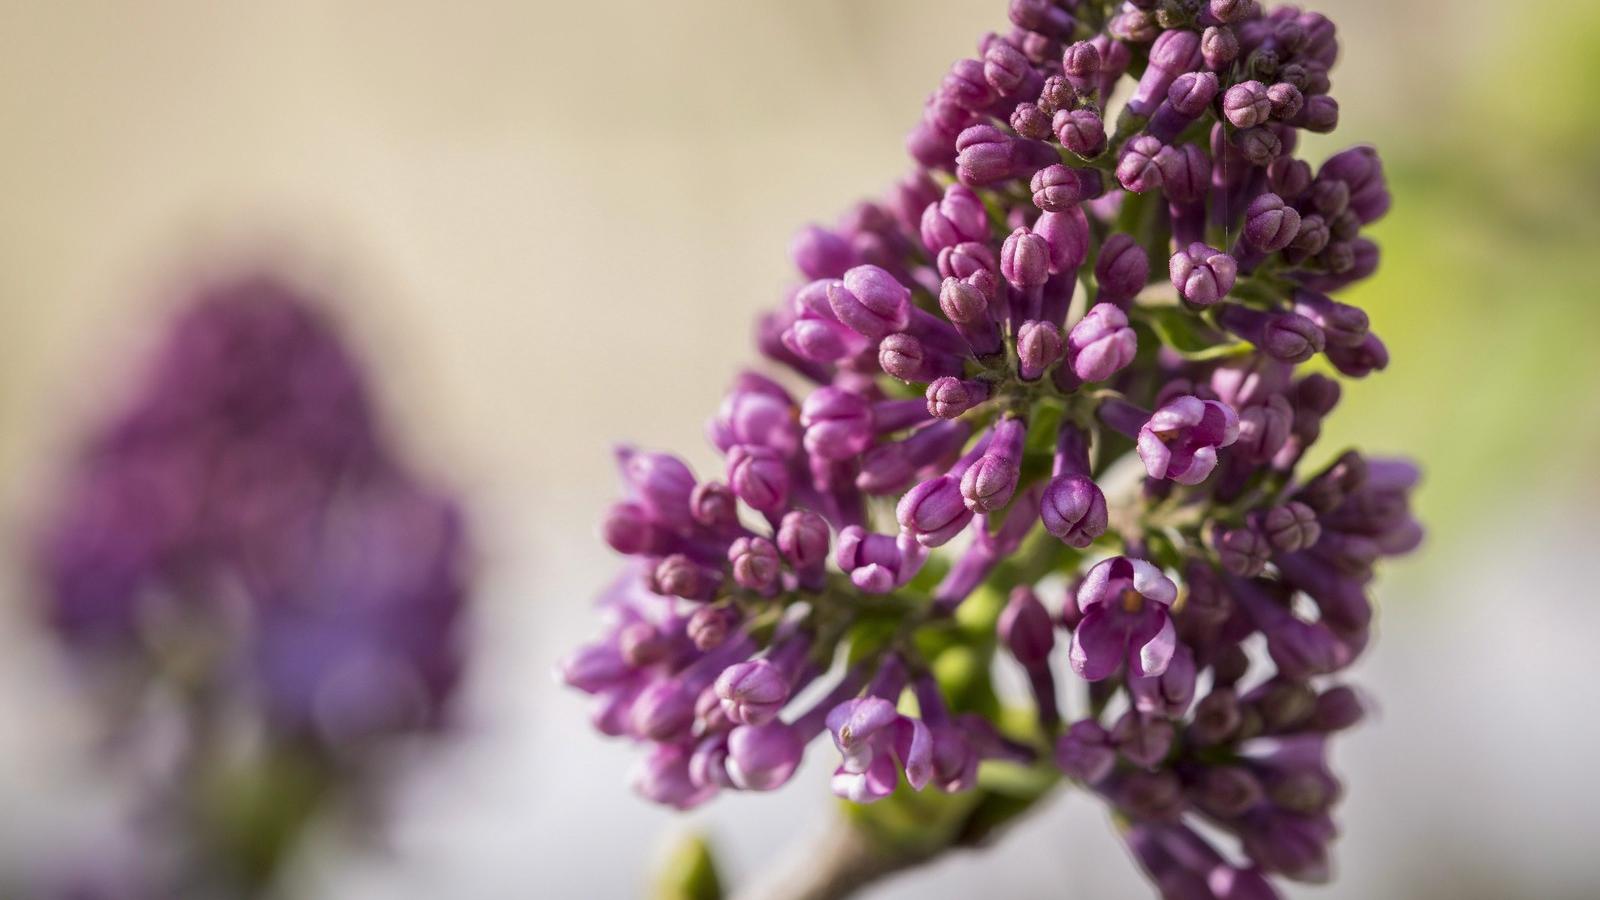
[690, 872]
[1186, 333]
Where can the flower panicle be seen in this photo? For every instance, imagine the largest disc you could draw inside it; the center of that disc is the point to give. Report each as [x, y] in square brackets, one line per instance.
[972, 357]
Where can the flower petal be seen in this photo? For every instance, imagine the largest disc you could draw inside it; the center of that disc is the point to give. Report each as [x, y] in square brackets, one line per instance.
[1098, 644]
[1151, 656]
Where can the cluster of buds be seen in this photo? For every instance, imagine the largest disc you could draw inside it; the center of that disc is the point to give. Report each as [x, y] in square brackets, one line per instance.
[995, 363]
[250, 574]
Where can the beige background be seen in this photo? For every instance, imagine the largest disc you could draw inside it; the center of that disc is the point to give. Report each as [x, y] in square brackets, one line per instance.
[548, 226]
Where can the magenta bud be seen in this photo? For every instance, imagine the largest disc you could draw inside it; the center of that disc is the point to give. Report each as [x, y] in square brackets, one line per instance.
[752, 692]
[822, 340]
[1291, 337]
[967, 260]
[1264, 427]
[949, 397]
[966, 304]
[642, 643]
[903, 356]
[1227, 792]
[1056, 94]
[984, 155]
[870, 301]
[933, 512]
[1311, 238]
[1067, 235]
[709, 626]
[629, 529]
[838, 423]
[594, 667]
[1217, 718]
[1137, 170]
[756, 565]
[1270, 224]
[989, 483]
[663, 776]
[759, 476]
[1042, 16]
[1259, 145]
[803, 539]
[1005, 68]
[1319, 114]
[1290, 527]
[1081, 131]
[679, 576]
[957, 217]
[1289, 177]
[1081, 63]
[1362, 360]
[663, 711]
[967, 86]
[1286, 336]
[1173, 53]
[763, 757]
[1185, 173]
[1025, 259]
[1122, 269]
[1330, 197]
[1226, 11]
[1101, 343]
[1039, 346]
[1058, 188]
[660, 482]
[1337, 708]
[1031, 122]
[1171, 692]
[1343, 325]
[1286, 99]
[878, 563]
[1219, 47]
[1242, 551]
[714, 505]
[820, 253]
[1025, 628]
[1143, 740]
[1085, 753]
[1073, 509]
[1192, 92]
[1203, 275]
[1246, 104]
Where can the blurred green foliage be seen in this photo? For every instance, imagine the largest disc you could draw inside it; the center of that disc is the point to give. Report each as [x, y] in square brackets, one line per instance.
[1485, 295]
[690, 872]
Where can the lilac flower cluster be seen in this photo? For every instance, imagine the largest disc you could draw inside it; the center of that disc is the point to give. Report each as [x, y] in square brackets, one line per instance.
[996, 363]
[240, 560]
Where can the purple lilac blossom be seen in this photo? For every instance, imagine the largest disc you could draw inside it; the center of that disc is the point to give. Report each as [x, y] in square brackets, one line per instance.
[241, 534]
[950, 415]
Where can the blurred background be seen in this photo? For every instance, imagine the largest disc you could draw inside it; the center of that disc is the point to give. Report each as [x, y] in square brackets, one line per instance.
[547, 229]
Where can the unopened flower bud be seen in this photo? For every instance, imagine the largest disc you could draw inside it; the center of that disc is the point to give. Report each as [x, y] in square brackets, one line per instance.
[1203, 275]
[1247, 104]
[1058, 188]
[1026, 629]
[756, 565]
[1137, 170]
[1081, 131]
[1039, 346]
[709, 626]
[949, 397]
